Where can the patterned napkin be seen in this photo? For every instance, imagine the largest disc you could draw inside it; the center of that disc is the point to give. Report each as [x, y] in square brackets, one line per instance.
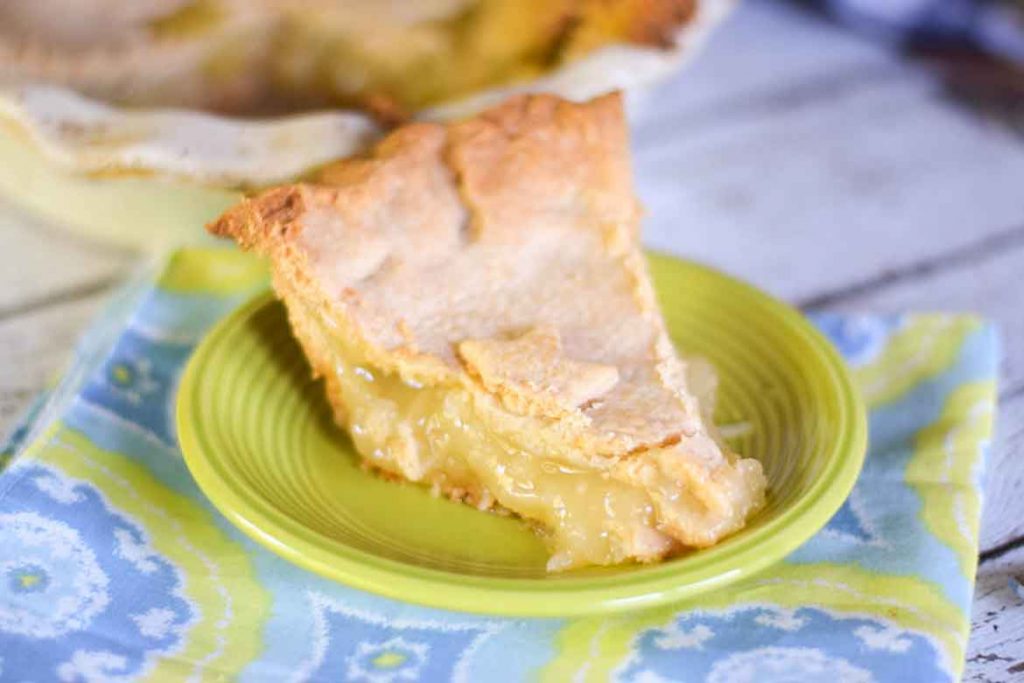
[115, 567]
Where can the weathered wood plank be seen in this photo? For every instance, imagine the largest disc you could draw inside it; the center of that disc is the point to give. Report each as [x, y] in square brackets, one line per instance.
[761, 50]
[987, 283]
[826, 194]
[996, 649]
[1003, 514]
[39, 263]
[34, 349]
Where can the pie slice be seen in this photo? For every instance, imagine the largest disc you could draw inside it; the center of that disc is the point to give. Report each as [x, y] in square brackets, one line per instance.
[475, 299]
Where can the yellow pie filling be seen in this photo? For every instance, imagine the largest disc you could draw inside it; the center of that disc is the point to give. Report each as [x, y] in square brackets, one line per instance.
[432, 435]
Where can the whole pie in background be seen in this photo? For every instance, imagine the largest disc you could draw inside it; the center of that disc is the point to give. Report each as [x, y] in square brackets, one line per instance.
[475, 299]
[265, 56]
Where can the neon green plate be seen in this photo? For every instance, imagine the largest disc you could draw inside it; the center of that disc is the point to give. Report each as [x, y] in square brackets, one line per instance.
[257, 435]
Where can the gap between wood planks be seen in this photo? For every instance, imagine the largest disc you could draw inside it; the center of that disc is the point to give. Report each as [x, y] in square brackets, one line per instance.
[983, 248]
[63, 296]
[1001, 550]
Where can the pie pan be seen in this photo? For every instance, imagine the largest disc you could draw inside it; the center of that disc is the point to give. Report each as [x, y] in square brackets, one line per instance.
[258, 437]
[108, 170]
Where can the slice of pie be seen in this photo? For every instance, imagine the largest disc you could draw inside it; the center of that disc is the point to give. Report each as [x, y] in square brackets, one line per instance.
[475, 299]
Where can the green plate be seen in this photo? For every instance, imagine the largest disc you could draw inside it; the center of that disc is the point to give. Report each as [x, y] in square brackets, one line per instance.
[257, 435]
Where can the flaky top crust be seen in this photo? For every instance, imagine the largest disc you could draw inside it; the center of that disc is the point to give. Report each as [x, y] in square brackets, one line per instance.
[500, 253]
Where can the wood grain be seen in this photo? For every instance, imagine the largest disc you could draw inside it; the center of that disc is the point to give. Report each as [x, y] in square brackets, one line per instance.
[35, 348]
[997, 624]
[40, 264]
[828, 194]
[1002, 520]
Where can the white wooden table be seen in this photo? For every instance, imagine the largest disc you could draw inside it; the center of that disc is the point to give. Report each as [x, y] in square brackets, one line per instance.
[819, 166]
